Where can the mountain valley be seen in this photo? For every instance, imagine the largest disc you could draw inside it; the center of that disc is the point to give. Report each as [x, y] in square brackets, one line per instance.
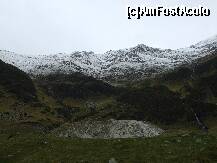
[140, 102]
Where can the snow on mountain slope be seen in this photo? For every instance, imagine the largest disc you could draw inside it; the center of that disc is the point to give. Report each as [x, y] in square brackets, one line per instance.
[146, 61]
[85, 62]
[136, 62]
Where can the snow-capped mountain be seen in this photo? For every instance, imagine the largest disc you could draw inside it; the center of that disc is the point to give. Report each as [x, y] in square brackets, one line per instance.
[136, 62]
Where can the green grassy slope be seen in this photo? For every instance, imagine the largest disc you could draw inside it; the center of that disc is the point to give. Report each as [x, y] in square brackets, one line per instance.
[177, 145]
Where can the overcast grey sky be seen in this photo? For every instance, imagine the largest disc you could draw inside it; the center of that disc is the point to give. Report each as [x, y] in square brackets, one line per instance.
[53, 26]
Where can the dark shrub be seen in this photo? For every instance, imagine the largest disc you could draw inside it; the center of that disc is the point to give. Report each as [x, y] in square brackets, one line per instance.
[75, 86]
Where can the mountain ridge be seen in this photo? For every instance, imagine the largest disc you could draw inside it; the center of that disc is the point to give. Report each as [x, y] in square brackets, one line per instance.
[130, 63]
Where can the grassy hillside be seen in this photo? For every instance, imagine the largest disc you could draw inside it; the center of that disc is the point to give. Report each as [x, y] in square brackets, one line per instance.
[19, 99]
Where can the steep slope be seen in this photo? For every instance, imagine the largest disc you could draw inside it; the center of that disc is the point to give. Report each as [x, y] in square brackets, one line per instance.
[133, 63]
[16, 81]
[196, 80]
[21, 102]
[194, 84]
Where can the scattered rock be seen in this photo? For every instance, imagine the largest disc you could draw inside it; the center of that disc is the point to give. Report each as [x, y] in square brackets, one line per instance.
[108, 129]
[112, 160]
